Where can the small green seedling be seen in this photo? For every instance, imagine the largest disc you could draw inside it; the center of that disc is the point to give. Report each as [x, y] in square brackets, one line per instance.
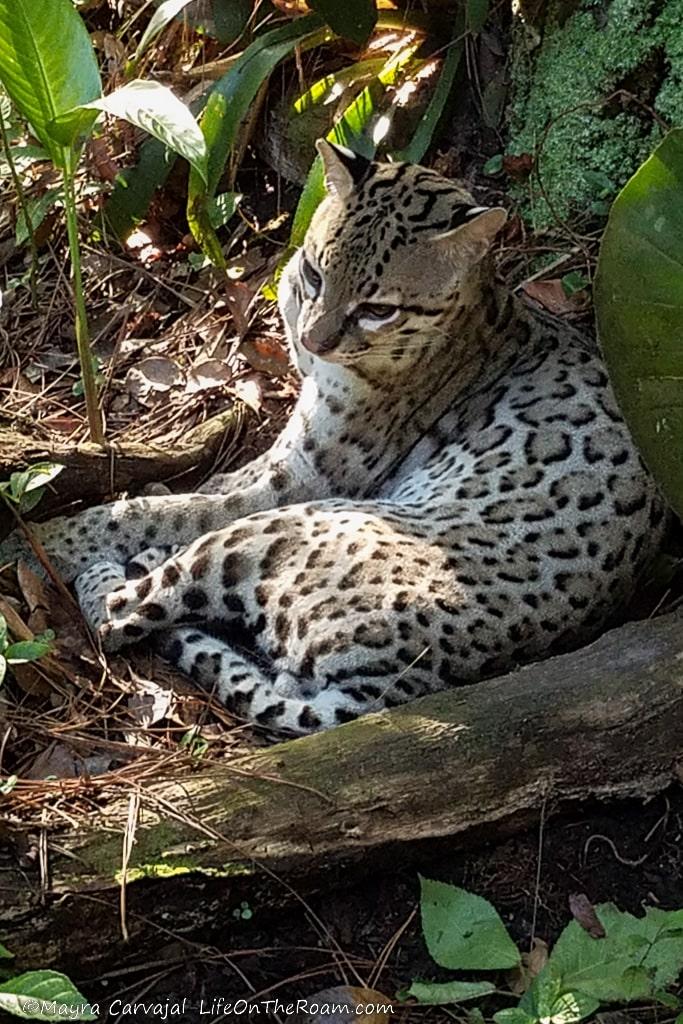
[194, 742]
[243, 912]
[58, 90]
[24, 489]
[22, 651]
[574, 282]
[493, 166]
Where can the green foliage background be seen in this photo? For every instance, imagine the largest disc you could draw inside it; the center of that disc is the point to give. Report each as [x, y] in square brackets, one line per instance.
[588, 144]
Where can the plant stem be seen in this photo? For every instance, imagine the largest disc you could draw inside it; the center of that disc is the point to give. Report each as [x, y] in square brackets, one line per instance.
[23, 203]
[82, 331]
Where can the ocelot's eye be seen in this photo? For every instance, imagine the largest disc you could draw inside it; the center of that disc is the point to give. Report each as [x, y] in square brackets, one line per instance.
[377, 310]
[312, 279]
[374, 314]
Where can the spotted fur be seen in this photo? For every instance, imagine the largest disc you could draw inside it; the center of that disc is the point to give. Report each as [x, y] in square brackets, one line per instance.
[455, 494]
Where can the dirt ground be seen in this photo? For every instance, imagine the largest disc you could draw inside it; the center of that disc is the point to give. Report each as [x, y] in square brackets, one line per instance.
[366, 930]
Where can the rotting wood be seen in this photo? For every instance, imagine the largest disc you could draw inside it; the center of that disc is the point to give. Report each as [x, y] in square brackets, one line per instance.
[605, 721]
[100, 475]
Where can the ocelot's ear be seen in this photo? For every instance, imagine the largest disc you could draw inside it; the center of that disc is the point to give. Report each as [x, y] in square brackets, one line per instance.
[474, 229]
[343, 168]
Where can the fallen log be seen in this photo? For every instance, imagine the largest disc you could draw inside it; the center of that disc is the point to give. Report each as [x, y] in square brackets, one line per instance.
[100, 474]
[605, 721]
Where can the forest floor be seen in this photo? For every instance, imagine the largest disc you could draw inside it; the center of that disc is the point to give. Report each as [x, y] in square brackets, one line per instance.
[176, 346]
[365, 931]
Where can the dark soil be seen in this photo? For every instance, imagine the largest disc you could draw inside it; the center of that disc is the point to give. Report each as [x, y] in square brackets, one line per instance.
[629, 853]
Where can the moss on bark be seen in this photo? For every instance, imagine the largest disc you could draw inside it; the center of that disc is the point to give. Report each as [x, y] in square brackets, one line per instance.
[592, 99]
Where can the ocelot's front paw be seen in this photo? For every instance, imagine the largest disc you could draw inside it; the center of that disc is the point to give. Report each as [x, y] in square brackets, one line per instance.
[124, 625]
[93, 589]
[108, 601]
[110, 594]
[113, 639]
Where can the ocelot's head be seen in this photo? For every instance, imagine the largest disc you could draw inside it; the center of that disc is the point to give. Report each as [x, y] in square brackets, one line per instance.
[391, 259]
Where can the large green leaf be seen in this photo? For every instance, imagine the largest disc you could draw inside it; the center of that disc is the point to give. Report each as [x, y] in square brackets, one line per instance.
[476, 13]
[226, 108]
[44, 995]
[422, 136]
[135, 186]
[639, 307]
[231, 17]
[353, 19]
[47, 64]
[463, 931]
[233, 94]
[155, 109]
[638, 957]
[552, 1000]
[165, 12]
[37, 210]
[327, 88]
[226, 20]
[440, 993]
[348, 131]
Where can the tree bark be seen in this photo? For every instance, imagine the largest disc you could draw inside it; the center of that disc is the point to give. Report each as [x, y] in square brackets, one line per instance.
[605, 721]
[101, 474]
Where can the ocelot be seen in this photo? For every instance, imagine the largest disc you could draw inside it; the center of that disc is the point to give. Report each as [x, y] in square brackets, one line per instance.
[455, 494]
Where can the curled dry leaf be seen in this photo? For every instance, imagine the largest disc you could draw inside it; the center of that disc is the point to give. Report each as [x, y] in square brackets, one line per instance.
[65, 424]
[101, 161]
[208, 376]
[550, 295]
[29, 679]
[520, 978]
[47, 610]
[56, 760]
[518, 167]
[537, 957]
[513, 230]
[20, 382]
[152, 378]
[249, 390]
[583, 912]
[62, 762]
[34, 589]
[238, 296]
[266, 355]
[96, 764]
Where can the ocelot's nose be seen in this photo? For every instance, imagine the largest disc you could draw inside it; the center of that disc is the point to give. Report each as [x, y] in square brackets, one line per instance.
[318, 345]
[321, 335]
